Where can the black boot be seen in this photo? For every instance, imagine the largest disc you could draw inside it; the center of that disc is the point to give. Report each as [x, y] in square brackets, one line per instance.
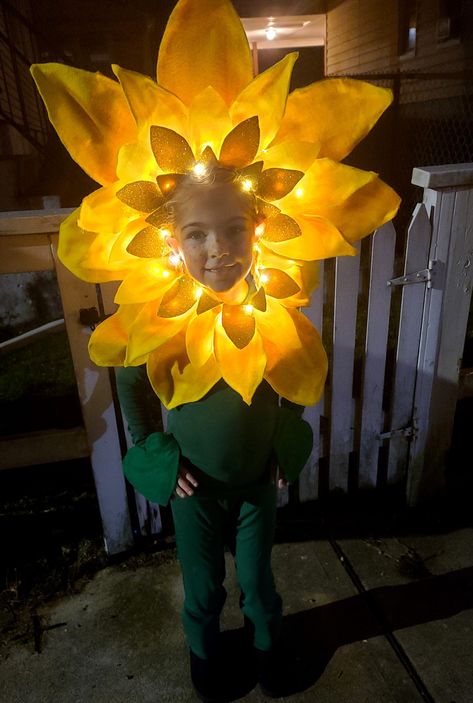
[205, 676]
[271, 670]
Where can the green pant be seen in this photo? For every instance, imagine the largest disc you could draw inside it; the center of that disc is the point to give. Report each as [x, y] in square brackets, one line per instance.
[244, 521]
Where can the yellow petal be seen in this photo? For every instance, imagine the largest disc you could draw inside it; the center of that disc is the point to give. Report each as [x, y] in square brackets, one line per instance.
[136, 161]
[148, 281]
[200, 337]
[238, 324]
[150, 331]
[355, 201]
[150, 103]
[107, 344]
[103, 211]
[209, 121]
[90, 114]
[242, 369]
[175, 380]
[291, 154]
[319, 240]
[204, 44]
[266, 97]
[342, 111]
[275, 183]
[87, 254]
[297, 363]
[304, 273]
[171, 150]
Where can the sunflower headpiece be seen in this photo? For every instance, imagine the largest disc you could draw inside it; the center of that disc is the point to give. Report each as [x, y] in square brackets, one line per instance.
[139, 138]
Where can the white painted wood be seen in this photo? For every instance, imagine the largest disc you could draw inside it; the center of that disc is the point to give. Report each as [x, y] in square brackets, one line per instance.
[347, 271]
[379, 301]
[149, 516]
[43, 447]
[428, 349]
[456, 233]
[308, 480]
[20, 252]
[445, 176]
[98, 412]
[412, 303]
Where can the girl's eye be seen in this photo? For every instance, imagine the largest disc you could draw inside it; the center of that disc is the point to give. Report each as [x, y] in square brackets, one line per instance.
[195, 234]
[236, 230]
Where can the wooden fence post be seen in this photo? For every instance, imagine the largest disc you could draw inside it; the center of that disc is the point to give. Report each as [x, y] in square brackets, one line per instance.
[448, 196]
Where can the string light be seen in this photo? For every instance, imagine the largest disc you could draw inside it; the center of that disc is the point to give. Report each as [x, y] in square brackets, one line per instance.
[164, 233]
[299, 192]
[259, 231]
[166, 274]
[199, 169]
[174, 259]
[264, 278]
[247, 184]
[198, 293]
[248, 309]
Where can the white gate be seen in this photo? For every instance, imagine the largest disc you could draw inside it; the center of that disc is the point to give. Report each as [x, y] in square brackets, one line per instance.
[380, 423]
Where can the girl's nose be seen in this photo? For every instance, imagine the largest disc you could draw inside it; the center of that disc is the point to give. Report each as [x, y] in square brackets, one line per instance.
[217, 245]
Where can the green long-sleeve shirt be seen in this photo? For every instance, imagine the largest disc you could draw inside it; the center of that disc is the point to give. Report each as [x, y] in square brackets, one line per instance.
[228, 441]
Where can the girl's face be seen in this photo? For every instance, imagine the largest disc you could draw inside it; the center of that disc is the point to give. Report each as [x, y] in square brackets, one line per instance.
[214, 234]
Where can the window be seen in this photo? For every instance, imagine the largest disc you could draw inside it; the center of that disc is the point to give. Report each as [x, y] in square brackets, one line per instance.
[407, 26]
[449, 20]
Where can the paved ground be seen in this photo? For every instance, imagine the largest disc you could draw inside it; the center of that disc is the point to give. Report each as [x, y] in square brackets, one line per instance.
[368, 620]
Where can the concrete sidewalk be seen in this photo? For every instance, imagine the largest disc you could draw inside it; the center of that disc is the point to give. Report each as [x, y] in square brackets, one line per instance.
[377, 620]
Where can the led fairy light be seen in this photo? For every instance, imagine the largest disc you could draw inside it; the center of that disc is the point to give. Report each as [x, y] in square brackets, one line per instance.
[206, 99]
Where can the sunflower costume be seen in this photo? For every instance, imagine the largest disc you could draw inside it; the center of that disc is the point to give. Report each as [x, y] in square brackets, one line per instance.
[138, 138]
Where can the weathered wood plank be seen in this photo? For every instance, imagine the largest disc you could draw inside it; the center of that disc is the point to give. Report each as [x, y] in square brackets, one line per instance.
[20, 253]
[347, 271]
[412, 303]
[308, 481]
[379, 301]
[31, 222]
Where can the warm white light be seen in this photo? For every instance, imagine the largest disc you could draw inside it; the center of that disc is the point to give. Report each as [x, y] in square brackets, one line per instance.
[174, 259]
[199, 169]
[299, 192]
[198, 293]
[264, 278]
[247, 184]
[164, 233]
[271, 33]
[166, 274]
[259, 230]
[248, 309]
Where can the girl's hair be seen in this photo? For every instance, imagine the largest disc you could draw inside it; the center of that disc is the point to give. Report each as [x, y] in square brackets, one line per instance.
[214, 176]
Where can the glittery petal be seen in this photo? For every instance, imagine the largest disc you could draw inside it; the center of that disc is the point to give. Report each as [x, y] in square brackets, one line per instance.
[278, 284]
[167, 182]
[240, 146]
[266, 209]
[275, 183]
[171, 150]
[141, 195]
[206, 302]
[147, 244]
[258, 301]
[178, 299]
[281, 228]
[238, 324]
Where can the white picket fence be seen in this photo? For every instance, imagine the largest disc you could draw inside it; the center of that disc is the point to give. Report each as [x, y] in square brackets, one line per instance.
[379, 423]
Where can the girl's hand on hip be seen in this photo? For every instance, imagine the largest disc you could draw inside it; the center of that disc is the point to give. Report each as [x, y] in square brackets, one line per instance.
[186, 483]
